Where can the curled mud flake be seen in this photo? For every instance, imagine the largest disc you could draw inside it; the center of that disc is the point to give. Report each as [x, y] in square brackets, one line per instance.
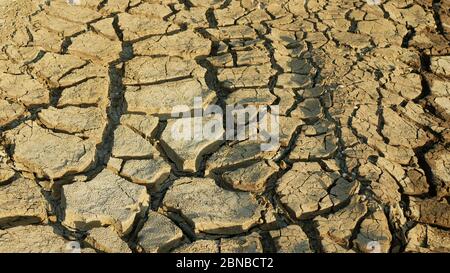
[427, 239]
[24, 89]
[186, 44]
[91, 92]
[144, 124]
[135, 27]
[229, 157]
[374, 235]
[440, 65]
[439, 161]
[291, 239]
[306, 190]
[52, 67]
[21, 202]
[159, 234]
[86, 121]
[187, 150]
[49, 154]
[336, 229]
[10, 111]
[147, 70]
[430, 211]
[253, 178]
[128, 144]
[73, 13]
[160, 99]
[106, 200]
[315, 147]
[211, 209]
[95, 48]
[246, 76]
[147, 172]
[107, 240]
[32, 239]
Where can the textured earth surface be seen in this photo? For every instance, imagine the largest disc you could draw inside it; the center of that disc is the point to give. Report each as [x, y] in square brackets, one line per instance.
[86, 158]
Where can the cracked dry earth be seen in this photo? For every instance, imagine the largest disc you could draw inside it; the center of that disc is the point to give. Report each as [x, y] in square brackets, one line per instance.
[86, 155]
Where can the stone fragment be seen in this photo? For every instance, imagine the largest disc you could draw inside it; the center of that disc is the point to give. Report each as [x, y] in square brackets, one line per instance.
[115, 164]
[411, 136]
[308, 110]
[73, 13]
[233, 32]
[6, 173]
[114, 6]
[287, 100]
[292, 80]
[84, 74]
[441, 65]
[105, 27]
[193, 17]
[287, 127]
[151, 10]
[254, 56]
[56, 24]
[211, 209]
[409, 85]
[252, 96]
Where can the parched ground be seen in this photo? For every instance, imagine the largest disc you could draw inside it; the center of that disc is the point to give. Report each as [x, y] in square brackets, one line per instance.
[86, 154]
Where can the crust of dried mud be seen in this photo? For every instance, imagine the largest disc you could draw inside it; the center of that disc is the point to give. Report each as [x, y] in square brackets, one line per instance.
[86, 155]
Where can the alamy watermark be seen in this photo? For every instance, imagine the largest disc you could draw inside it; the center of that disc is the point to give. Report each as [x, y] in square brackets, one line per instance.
[373, 247]
[257, 123]
[73, 247]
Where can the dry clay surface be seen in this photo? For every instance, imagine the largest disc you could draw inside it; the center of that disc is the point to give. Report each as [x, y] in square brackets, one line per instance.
[87, 157]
